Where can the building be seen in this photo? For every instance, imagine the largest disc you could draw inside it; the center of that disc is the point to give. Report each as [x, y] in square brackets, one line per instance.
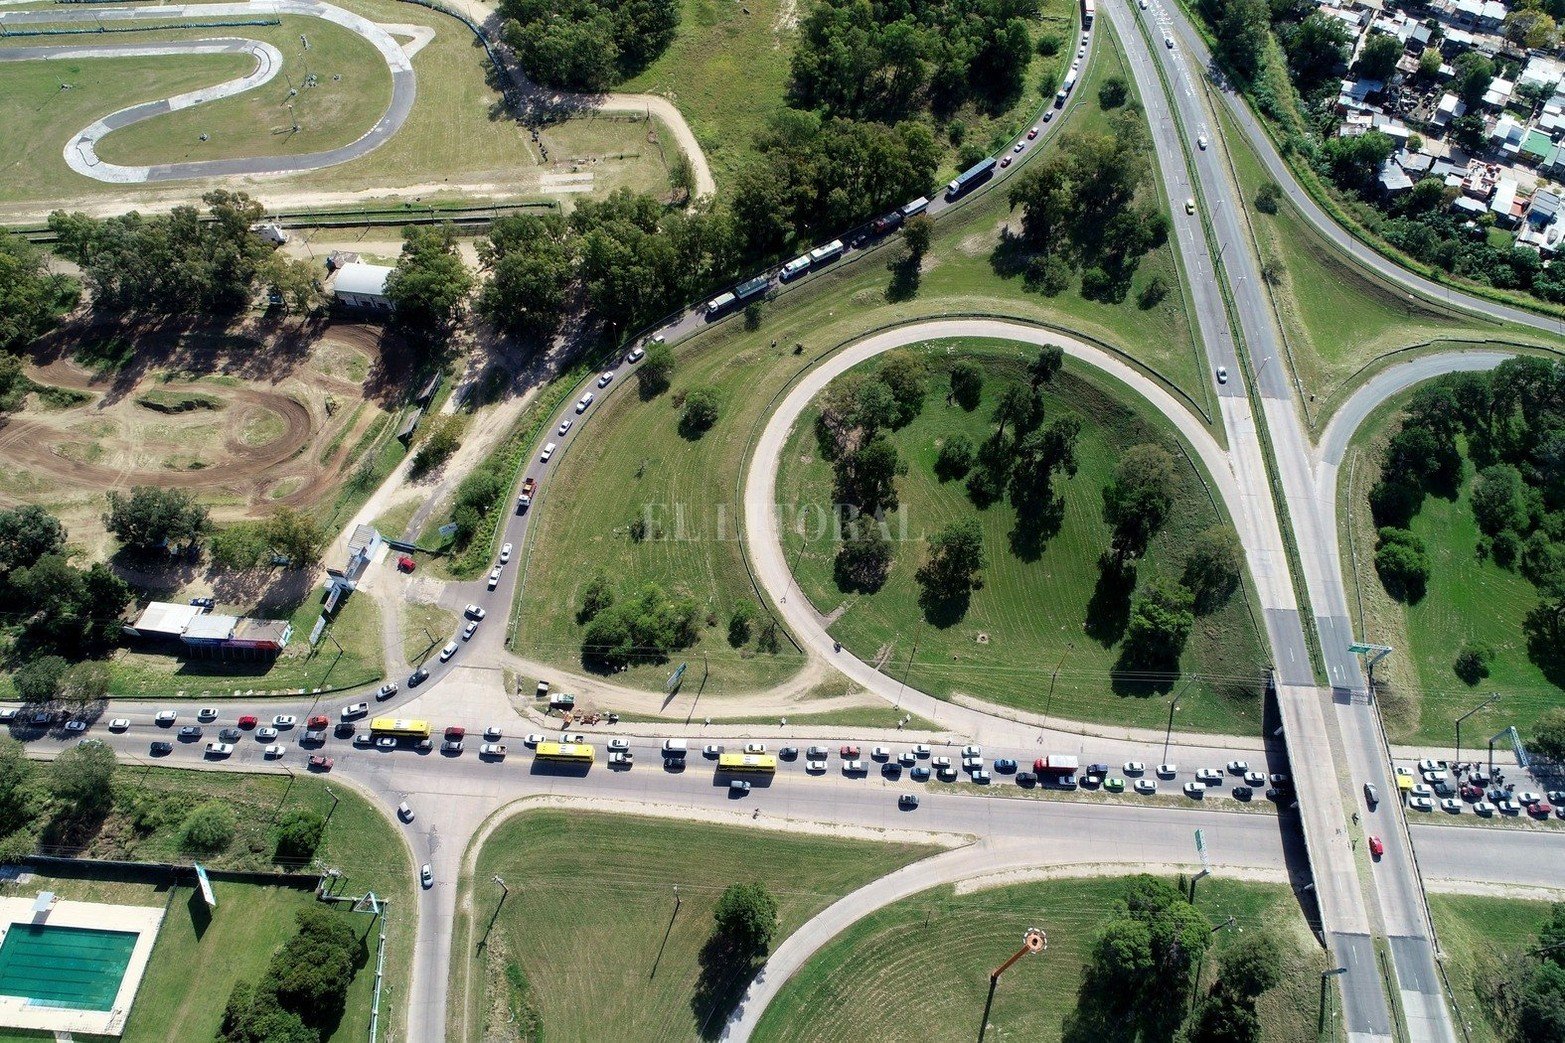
[162, 621]
[211, 635]
[359, 285]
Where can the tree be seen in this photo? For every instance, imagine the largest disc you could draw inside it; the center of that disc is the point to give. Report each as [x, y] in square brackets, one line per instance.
[1043, 369]
[644, 627]
[1139, 496]
[1500, 500]
[1242, 34]
[299, 835]
[1378, 58]
[1316, 48]
[682, 177]
[443, 438]
[598, 596]
[746, 918]
[295, 282]
[1212, 570]
[656, 371]
[83, 778]
[1113, 92]
[903, 373]
[311, 973]
[297, 536]
[1533, 29]
[587, 45]
[1225, 1018]
[864, 559]
[1548, 735]
[1402, 563]
[17, 796]
[1472, 75]
[1354, 162]
[1429, 63]
[253, 1016]
[967, 385]
[30, 297]
[208, 829]
[867, 476]
[84, 683]
[955, 458]
[430, 283]
[741, 623]
[531, 261]
[1251, 965]
[1540, 1005]
[71, 611]
[151, 517]
[1472, 662]
[1267, 196]
[1161, 617]
[38, 680]
[956, 555]
[702, 406]
[917, 233]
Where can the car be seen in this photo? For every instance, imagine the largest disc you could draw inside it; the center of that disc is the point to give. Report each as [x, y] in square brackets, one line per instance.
[819, 753]
[789, 753]
[583, 402]
[636, 355]
[417, 677]
[265, 734]
[1376, 847]
[364, 739]
[891, 770]
[166, 717]
[1222, 374]
[1421, 803]
[1484, 808]
[548, 451]
[456, 731]
[1135, 768]
[1019, 146]
[1190, 206]
[1195, 790]
[386, 742]
[190, 732]
[75, 725]
[618, 745]
[448, 651]
[972, 751]
[921, 750]
[1208, 775]
[386, 691]
[493, 733]
[226, 734]
[1509, 806]
[1031, 134]
[534, 738]
[1422, 790]
[474, 612]
[621, 758]
[495, 750]
[1277, 778]
[405, 811]
[219, 749]
[755, 747]
[1098, 769]
[1243, 792]
[8, 714]
[248, 720]
[1407, 772]
[285, 720]
[577, 738]
[1146, 787]
[849, 752]
[981, 777]
[1237, 767]
[1005, 162]
[451, 746]
[353, 710]
[907, 801]
[738, 787]
[505, 553]
[906, 759]
[426, 876]
[272, 752]
[565, 426]
[816, 766]
[1525, 796]
[1201, 142]
[969, 763]
[919, 774]
[1371, 795]
[880, 753]
[42, 718]
[1048, 115]
[1254, 778]
[469, 630]
[1114, 785]
[318, 720]
[494, 577]
[941, 762]
[1430, 764]
[946, 774]
[1167, 771]
[1004, 764]
[1451, 806]
[854, 767]
[319, 762]
[603, 381]
[119, 724]
[1168, 41]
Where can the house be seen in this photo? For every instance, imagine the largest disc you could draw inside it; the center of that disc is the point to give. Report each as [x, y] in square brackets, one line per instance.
[359, 285]
[1449, 108]
[1553, 164]
[1417, 39]
[1392, 180]
[1536, 146]
[1545, 208]
[1499, 92]
[211, 635]
[1469, 206]
[274, 234]
[1541, 74]
[1417, 164]
[1508, 134]
[1503, 203]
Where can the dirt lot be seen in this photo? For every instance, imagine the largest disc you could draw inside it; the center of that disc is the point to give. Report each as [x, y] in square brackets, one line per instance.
[248, 417]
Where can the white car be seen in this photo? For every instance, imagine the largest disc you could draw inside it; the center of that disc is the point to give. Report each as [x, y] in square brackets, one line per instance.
[815, 766]
[1167, 771]
[119, 724]
[386, 742]
[285, 720]
[1237, 767]
[74, 725]
[207, 713]
[921, 750]
[1208, 775]
[1201, 142]
[621, 758]
[494, 577]
[533, 739]
[448, 651]
[1195, 790]
[1146, 787]
[548, 451]
[1484, 808]
[565, 426]
[355, 710]
[469, 630]
[712, 750]
[755, 747]
[265, 734]
[505, 553]
[166, 716]
[1222, 374]
[1135, 768]
[972, 751]
[1254, 778]
[941, 762]
[635, 356]
[1451, 806]
[274, 751]
[880, 753]
[603, 381]
[218, 749]
[1421, 803]
[426, 876]
[364, 739]
[1430, 764]
[618, 745]
[572, 738]
[583, 402]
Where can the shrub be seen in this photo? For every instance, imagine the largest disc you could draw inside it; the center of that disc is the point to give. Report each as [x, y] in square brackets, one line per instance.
[1472, 662]
[208, 829]
[955, 458]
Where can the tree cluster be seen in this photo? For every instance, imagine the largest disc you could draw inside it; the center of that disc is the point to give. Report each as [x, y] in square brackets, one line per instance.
[1246, 970]
[643, 628]
[152, 517]
[1142, 962]
[430, 283]
[169, 264]
[1526, 989]
[1080, 210]
[50, 606]
[290, 534]
[304, 992]
[888, 60]
[31, 297]
[588, 45]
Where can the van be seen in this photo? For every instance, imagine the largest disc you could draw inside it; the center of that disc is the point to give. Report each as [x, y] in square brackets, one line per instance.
[674, 747]
[1371, 796]
[447, 652]
[548, 451]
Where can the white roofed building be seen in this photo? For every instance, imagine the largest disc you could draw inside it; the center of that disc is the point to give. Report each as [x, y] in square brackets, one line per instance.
[360, 285]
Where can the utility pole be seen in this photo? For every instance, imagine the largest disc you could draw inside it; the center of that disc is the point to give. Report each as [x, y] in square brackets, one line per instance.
[333, 811]
[1492, 697]
[1070, 646]
[917, 631]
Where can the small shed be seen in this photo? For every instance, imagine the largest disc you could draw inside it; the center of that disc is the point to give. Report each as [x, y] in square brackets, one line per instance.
[162, 620]
[360, 285]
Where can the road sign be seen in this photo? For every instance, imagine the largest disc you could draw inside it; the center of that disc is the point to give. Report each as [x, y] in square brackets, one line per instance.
[1200, 849]
[448, 528]
[1359, 649]
[675, 677]
[206, 886]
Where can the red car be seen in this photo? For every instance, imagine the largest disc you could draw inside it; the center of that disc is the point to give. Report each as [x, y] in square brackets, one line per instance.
[247, 721]
[317, 722]
[406, 564]
[320, 763]
[1032, 133]
[1005, 162]
[1376, 848]
[850, 752]
[455, 732]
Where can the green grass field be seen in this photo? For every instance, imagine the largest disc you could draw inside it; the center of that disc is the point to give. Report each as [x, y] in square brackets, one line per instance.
[923, 964]
[356, 628]
[1478, 934]
[636, 456]
[623, 962]
[1031, 615]
[1468, 599]
[1336, 317]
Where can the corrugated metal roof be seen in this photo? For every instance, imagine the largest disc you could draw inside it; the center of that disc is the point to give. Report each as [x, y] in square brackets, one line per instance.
[368, 280]
[165, 617]
[211, 627]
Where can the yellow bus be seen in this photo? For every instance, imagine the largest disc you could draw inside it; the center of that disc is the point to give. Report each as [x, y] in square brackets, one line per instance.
[570, 752]
[764, 762]
[400, 729]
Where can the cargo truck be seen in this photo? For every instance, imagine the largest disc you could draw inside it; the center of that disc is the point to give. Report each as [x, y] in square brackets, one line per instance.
[525, 500]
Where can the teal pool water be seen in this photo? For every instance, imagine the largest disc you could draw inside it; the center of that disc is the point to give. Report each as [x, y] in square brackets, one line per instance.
[76, 967]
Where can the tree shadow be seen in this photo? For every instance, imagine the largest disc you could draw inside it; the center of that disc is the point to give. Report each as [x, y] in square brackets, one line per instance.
[1108, 612]
[1034, 529]
[725, 973]
[905, 277]
[1544, 647]
[944, 610]
[1010, 256]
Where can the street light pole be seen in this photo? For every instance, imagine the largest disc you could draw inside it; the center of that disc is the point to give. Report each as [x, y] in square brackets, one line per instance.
[1168, 735]
[333, 811]
[1492, 697]
[1070, 646]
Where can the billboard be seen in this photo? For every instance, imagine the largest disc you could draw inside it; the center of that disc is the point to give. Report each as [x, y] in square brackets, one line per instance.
[206, 886]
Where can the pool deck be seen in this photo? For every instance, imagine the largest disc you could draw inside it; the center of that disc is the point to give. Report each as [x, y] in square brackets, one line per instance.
[144, 920]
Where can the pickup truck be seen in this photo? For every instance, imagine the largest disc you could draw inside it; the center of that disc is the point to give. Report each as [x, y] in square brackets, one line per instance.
[218, 749]
[525, 500]
[492, 749]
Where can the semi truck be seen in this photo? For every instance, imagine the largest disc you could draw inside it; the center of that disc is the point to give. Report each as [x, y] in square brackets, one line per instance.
[973, 175]
[795, 268]
[887, 223]
[525, 499]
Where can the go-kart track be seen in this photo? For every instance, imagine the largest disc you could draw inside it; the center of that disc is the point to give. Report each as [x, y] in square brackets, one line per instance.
[81, 150]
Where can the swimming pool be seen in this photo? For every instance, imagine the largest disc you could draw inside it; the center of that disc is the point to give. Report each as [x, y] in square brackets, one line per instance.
[75, 967]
